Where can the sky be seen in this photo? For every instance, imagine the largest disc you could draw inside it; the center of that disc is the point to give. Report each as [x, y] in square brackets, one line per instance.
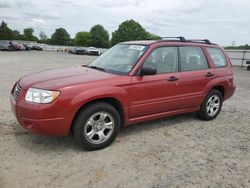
[222, 21]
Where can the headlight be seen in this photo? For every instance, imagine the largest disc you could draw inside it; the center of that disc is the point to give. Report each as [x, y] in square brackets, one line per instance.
[41, 96]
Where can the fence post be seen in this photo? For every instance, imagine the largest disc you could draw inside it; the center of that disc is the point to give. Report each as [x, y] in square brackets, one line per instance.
[243, 58]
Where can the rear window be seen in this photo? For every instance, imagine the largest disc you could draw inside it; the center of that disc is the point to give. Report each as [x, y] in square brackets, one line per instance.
[217, 57]
[192, 58]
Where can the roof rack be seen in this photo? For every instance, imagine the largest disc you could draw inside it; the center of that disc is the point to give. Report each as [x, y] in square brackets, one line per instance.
[182, 39]
[199, 40]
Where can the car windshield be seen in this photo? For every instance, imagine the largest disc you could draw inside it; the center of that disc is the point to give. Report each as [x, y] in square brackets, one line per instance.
[120, 59]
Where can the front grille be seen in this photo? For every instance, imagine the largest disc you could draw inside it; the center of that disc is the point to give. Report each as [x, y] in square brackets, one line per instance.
[17, 91]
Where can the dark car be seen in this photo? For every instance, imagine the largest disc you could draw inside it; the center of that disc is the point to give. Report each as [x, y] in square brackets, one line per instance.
[132, 82]
[36, 47]
[27, 47]
[6, 46]
[78, 50]
[81, 51]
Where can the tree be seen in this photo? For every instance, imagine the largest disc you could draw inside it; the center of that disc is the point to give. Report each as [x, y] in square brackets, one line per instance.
[28, 34]
[43, 37]
[60, 37]
[82, 38]
[128, 30]
[5, 32]
[99, 37]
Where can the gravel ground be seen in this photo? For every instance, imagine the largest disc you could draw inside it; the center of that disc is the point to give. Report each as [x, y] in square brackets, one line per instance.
[180, 151]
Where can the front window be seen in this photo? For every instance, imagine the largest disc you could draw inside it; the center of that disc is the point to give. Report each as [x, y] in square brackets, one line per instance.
[120, 59]
[163, 59]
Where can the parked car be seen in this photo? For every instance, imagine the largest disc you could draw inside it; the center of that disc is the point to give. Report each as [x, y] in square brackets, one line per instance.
[132, 82]
[17, 46]
[92, 51]
[27, 47]
[36, 47]
[6, 46]
[78, 50]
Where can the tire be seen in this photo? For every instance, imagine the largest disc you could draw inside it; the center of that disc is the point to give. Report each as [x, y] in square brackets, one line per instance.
[211, 106]
[96, 126]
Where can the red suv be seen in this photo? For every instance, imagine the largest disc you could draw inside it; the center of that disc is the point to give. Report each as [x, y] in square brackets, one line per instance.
[132, 82]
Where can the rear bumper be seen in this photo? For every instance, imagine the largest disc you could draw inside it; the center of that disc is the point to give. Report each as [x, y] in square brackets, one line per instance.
[38, 121]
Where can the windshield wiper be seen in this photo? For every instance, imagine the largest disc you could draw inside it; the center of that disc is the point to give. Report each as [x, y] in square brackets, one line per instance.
[95, 67]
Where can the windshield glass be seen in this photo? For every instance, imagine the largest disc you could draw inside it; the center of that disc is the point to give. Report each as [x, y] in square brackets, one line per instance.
[120, 59]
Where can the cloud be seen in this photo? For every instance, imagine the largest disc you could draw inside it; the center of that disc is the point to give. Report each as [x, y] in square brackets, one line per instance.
[42, 14]
[119, 3]
[13, 3]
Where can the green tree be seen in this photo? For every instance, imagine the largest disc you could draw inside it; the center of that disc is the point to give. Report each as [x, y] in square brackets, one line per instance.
[60, 37]
[99, 37]
[241, 47]
[129, 30]
[28, 34]
[5, 32]
[82, 38]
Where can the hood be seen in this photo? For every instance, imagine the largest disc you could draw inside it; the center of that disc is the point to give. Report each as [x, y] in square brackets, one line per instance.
[58, 78]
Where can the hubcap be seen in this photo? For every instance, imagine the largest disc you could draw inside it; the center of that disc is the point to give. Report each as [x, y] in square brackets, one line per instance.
[99, 127]
[213, 105]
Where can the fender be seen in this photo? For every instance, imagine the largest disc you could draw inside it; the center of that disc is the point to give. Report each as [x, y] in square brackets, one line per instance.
[115, 92]
[218, 81]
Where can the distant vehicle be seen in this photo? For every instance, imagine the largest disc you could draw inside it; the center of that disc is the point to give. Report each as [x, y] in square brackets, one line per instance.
[22, 47]
[78, 50]
[72, 50]
[6, 46]
[16, 45]
[93, 51]
[36, 47]
[27, 47]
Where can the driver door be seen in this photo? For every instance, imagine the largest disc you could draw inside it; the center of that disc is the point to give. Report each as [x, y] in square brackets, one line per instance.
[153, 94]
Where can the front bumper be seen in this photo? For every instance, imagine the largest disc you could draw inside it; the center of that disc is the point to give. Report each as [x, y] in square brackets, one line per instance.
[39, 118]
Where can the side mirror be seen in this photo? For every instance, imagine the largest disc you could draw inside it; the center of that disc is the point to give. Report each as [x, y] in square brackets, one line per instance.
[147, 71]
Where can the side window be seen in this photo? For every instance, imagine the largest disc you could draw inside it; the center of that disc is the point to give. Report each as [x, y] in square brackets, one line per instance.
[163, 59]
[217, 57]
[192, 58]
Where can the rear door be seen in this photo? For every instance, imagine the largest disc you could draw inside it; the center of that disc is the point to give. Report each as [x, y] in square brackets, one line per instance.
[152, 94]
[195, 75]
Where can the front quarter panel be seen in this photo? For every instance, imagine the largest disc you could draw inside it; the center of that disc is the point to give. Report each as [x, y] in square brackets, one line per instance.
[88, 95]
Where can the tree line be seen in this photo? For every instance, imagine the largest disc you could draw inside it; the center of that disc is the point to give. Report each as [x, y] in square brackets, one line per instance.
[241, 47]
[98, 36]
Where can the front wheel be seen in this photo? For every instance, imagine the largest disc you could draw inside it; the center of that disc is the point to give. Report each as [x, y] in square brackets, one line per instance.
[96, 126]
[211, 106]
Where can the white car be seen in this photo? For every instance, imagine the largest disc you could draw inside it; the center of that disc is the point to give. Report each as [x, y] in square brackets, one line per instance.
[93, 51]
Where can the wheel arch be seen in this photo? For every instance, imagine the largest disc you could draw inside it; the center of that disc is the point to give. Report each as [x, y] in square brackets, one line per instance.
[221, 89]
[116, 103]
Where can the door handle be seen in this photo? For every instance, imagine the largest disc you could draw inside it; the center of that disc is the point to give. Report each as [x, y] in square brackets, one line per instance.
[209, 74]
[172, 79]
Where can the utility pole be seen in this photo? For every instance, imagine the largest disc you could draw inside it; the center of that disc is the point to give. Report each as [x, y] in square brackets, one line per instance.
[233, 43]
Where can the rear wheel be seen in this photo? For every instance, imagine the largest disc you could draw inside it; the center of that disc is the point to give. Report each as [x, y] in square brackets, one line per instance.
[96, 126]
[211, 106]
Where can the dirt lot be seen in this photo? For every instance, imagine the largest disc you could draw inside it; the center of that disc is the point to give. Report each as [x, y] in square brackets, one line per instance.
[180, 151]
